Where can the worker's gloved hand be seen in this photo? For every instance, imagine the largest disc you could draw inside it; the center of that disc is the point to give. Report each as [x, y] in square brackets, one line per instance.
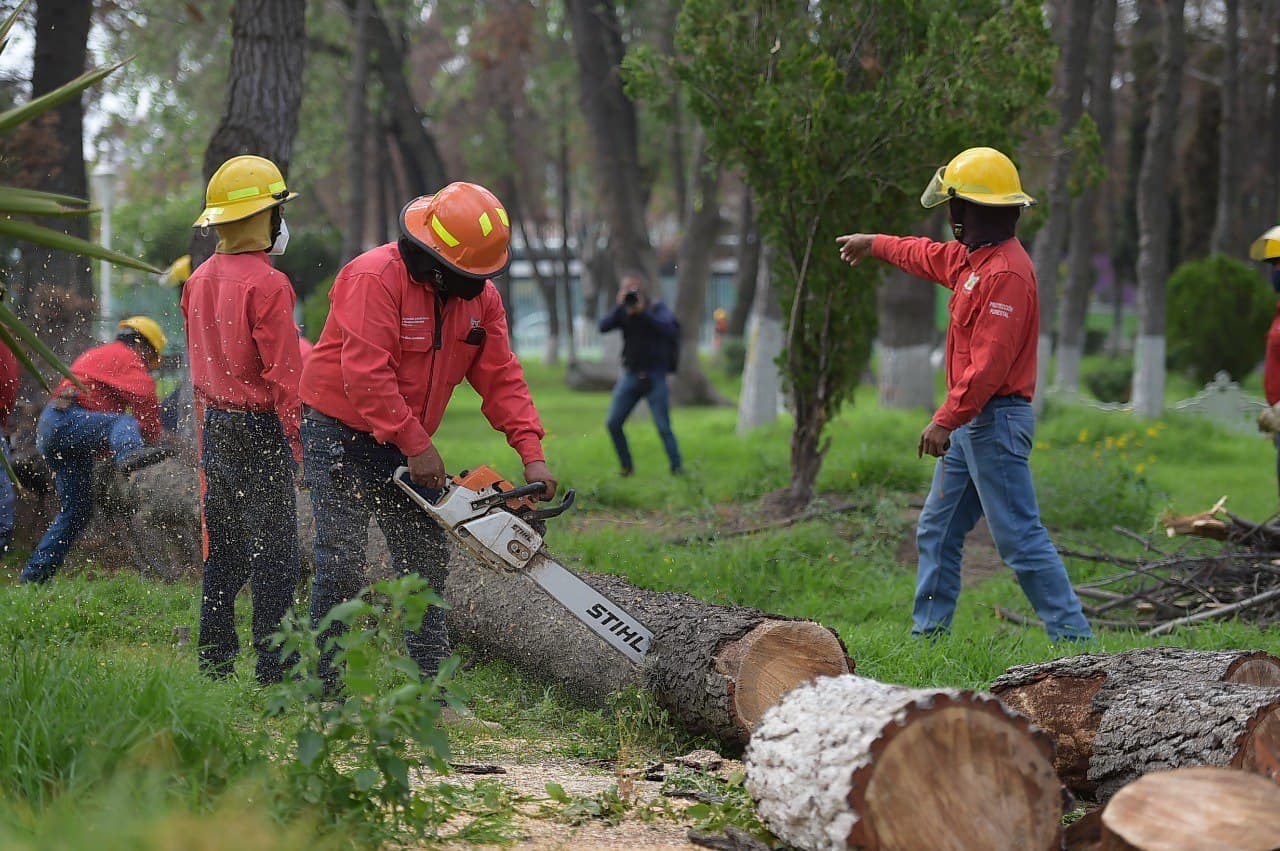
[538, 471]
[427, 468]
[1269, 419]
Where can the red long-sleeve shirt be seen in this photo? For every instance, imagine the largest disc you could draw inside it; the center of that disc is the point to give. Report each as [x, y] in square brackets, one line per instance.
[241, 338]
[994, 318]
[10, 378]
[391, 353]
[1271, 367]
[117, 382]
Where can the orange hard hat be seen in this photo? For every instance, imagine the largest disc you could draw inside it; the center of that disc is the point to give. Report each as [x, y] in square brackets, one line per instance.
[464, 226]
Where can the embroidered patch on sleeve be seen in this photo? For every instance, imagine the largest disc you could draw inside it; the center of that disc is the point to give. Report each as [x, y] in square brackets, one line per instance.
[1004, 311]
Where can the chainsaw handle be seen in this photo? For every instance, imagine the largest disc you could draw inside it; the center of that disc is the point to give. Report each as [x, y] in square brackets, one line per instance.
[555, 511]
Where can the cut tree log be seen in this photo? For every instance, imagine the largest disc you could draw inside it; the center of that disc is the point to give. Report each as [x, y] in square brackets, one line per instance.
[1193, 809]
[847, 762]
[715, 669]
[1069, 697]
[1221, 525]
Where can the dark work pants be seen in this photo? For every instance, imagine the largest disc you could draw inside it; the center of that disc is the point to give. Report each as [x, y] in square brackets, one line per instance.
[348, 474]
[250, 515]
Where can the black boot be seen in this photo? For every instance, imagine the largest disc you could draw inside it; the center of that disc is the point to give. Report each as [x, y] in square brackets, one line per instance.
[144, 457]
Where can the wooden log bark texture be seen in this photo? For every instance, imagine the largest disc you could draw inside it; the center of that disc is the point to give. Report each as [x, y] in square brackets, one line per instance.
[847, 762]
[1068, 697]
[716, 669]
[1193, 809]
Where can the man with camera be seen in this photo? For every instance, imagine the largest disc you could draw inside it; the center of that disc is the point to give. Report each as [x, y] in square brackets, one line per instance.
[650, 351]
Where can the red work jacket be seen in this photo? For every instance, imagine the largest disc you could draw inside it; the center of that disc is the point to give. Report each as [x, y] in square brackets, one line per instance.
[241, 338]
[10, 378]
[118, 383]
[1271, 368]
[391, 353]
[994, 318]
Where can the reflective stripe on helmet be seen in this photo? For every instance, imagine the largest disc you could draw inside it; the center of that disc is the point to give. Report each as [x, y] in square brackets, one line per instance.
[502, 216]
[486, 226]
[449, 239]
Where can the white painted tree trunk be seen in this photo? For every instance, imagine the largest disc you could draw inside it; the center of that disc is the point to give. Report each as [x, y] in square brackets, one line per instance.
[1067, 381]
[761, 378]
[1044, 353]
[1148, 376]
[847, 762]
[906, 376]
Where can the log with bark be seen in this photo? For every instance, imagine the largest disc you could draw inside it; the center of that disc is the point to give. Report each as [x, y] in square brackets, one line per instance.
[715, 669]
[1221, 525]
[847, 762]
[1191, 809]
[1114, 717]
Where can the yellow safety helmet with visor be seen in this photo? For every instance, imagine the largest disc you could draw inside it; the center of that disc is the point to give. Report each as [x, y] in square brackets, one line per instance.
[242, 187]
[981, 175]
[149, 329]
[1267, 246]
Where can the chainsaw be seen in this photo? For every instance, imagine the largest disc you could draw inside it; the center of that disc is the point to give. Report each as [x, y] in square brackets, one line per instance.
[501, 526]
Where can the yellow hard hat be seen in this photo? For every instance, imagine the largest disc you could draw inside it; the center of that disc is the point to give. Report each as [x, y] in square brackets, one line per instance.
[981, 175]
[241, 187]
[178, 272]
[149, 329]
[1267, 246]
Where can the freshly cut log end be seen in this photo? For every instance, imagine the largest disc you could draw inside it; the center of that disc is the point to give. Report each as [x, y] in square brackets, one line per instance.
[848, 762]
[1066, 696]
[1193, 809]
[774, 658]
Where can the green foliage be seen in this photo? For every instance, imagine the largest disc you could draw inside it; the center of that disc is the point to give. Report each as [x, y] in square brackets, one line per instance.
[1108, 379]
[721, 802]
[351, 759]
[836, 114]
[1099, 479]
[1218, 313]
[315, 310]
[311, 262]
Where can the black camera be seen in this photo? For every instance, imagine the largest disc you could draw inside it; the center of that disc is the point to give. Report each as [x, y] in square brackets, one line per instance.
[631, 299]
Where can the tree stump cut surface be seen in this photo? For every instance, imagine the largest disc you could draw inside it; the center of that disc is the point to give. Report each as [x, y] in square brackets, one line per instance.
[1194, 809]
[847, 762]
[1062, 695]
[715, 669]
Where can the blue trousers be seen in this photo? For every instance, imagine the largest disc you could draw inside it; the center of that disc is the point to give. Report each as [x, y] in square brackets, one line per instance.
[986, 472]
[69, 440]
[348, 474]
[8, 502]
[250, 515]
[627, 393]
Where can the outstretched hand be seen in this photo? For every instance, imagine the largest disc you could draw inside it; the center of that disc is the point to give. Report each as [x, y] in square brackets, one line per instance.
[854, 247]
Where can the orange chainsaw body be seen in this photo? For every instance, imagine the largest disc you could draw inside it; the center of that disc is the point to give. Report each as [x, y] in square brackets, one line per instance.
[485, 476]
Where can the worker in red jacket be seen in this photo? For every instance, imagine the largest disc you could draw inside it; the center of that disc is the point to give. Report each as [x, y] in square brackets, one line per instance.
[984, 430]
[10, 378]
[117, 411]
[245, 363]
[1266, 248]
[408, 321]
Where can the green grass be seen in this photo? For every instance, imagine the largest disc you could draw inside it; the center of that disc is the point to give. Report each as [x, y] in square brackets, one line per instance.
[110, 738]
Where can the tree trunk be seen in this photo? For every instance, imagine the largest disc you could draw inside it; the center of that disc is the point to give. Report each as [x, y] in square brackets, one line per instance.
[612, 127]
[1105, 715]
[1154, 177]
[264, 91]
[715, 669]
[1193, 808]
[908, 332]
[1083, 240]
[702, 222]
[761, 378]
[58, 285]
[358, 132]
[1224, 224]
[423, 164]
[748, 267]
[853, 763]
[1051, 240]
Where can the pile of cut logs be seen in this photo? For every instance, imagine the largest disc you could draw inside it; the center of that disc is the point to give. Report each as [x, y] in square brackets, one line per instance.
[848, 762]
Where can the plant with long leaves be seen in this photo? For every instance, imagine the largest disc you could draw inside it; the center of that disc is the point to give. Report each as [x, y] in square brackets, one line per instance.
[27, 202]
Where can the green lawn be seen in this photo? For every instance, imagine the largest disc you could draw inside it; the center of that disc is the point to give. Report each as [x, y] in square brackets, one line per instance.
[104, 717]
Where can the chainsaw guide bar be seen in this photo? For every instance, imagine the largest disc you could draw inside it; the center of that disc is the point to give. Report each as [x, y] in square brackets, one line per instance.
[492, 520]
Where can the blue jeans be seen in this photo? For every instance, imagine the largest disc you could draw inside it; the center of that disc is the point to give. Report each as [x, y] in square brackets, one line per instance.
[69, 440]
[986, 471]
[250, 516]
[8, 501]
[627, 393]
[349, 477]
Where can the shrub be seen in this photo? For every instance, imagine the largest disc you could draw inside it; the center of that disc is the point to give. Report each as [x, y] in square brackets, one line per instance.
[1218, 312]
[1109, 380]
[315, 310]
[1096, 483]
